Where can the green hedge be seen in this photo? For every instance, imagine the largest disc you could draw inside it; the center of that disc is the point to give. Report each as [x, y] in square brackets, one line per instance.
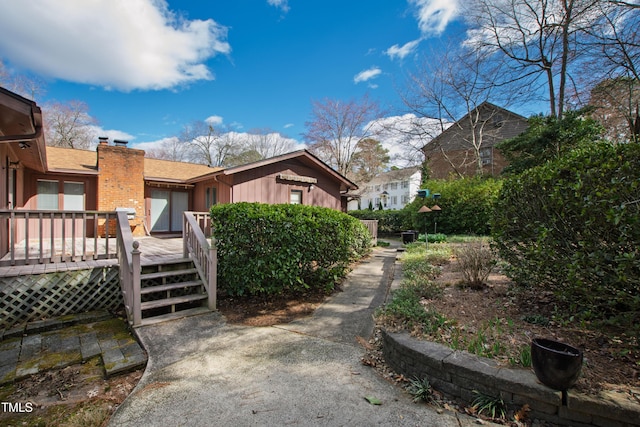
[389, 221]
[573, 226]
[467, 206]
[283, 249]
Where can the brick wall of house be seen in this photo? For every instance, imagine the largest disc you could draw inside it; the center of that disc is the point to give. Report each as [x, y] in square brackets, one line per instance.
[121, 181]
[465, 164]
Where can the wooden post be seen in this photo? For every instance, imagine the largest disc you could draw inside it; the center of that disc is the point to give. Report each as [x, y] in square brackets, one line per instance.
[185, 224]
[135, 276]
[213, 274]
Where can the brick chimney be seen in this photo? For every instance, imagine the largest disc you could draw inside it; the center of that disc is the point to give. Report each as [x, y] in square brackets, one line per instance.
[121, 181]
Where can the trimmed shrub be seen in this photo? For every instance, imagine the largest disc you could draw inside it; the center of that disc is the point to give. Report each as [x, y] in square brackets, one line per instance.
[283, 249]
[467, 206]
[573, 226]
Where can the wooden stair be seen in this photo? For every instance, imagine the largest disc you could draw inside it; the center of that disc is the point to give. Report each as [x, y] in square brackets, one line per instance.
[171, 290]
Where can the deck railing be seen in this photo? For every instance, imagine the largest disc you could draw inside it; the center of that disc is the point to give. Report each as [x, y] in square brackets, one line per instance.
[129, 262]
[39, 236]
[203, 253]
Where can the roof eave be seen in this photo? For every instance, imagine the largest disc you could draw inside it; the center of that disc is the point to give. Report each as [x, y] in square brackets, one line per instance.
[21, 124]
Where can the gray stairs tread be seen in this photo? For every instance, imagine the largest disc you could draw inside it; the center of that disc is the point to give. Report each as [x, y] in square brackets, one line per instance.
[168, 273]
[170, 287]
[171, 301]
[167, 261]
[177, 315]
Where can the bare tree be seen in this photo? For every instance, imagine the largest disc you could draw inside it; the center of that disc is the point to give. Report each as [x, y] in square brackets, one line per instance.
[29, 87]
[170, 149]
[538, 38]
[233, 149]
[208, 145]
[69, 125]
[613, 43]
[406, 135]
[457, 86]
[338, 127]
[269, 143]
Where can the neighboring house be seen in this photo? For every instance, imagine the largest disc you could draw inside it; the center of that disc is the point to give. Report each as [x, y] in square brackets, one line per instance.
[468, 146]
[156, 192]
[393, 189]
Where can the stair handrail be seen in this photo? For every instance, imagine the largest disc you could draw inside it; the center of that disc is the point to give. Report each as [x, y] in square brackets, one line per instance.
[129, 263]
[203, 254]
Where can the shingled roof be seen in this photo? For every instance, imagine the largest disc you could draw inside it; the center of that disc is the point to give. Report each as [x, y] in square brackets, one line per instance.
[71, 160]
[84, 161]
[167, 170]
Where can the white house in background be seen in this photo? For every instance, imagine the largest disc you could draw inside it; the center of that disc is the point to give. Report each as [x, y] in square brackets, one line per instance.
[394, 189]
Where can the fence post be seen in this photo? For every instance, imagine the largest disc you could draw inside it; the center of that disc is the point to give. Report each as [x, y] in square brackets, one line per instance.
[135, 276]
[213, 274]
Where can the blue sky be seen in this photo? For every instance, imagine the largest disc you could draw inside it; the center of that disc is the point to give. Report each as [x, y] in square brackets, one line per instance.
[148, 67]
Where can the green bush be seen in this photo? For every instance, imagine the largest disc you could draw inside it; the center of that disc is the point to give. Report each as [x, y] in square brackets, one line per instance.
[573, 226]
[467, 206]
[389, 221]
[433, 238]
[283, 249]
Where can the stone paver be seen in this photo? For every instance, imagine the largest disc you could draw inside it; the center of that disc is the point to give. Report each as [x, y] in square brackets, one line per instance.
[73, 340]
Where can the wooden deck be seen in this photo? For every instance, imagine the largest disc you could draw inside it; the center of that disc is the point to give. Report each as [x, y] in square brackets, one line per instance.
[153, 250]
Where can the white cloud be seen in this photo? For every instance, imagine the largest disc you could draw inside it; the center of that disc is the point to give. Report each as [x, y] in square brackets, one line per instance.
[214, 120]
[271, 144]
[112, 133]
[434, 15]
[400, 52]
[119, 44]
[366, 75]
[289, 125]
[155, 145]
[281, 4]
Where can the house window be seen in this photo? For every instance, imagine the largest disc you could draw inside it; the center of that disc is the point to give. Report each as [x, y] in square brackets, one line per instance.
[394, 185]
[211, 197]
[394, 200]
[385, 187]
[405, 184]
[73, 198]
[377, 188]
[296, 197]
[485, 156]
[47, 195]
[377, 204]
[405, 199]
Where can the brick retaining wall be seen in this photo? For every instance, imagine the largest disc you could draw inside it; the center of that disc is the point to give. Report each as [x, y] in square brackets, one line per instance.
[458, 374]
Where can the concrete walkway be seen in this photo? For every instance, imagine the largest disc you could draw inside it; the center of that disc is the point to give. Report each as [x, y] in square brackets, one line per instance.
[204, 372]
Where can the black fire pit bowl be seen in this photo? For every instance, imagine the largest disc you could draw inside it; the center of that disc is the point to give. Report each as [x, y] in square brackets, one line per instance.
[556, 364]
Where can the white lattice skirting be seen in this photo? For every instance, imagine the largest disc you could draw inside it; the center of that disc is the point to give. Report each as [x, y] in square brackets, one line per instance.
[41, 296]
